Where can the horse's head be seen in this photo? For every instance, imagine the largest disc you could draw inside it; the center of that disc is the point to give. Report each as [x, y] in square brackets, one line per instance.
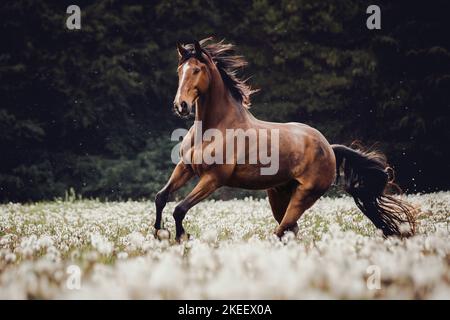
[193, 77]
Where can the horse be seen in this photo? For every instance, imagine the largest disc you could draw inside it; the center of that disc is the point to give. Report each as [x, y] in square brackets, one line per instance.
[210, 89]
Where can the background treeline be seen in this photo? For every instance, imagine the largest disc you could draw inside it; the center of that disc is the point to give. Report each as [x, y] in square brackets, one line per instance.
[91, 109]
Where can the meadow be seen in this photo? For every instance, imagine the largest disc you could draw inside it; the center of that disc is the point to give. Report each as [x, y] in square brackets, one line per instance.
[72, 248]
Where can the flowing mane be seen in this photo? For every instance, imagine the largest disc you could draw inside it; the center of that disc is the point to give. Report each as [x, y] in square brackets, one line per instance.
[228, 64]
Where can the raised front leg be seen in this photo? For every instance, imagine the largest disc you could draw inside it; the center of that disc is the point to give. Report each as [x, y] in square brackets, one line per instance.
[206, 185]
[180, 176]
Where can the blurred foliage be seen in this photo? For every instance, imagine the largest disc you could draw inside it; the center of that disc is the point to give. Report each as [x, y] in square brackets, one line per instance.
[91, 109]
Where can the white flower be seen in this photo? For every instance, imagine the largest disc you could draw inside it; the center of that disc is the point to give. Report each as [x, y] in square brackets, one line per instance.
[233, 254]
[210, 236]
[4, 241]
[45, 241]
[10, 258]
[102, 245]
[136, 240]
[122, 255]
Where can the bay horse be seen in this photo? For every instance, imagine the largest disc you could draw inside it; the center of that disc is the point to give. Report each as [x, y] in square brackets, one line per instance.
[308, 164]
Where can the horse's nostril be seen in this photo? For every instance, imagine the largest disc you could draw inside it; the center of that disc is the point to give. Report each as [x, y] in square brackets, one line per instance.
[184, 106]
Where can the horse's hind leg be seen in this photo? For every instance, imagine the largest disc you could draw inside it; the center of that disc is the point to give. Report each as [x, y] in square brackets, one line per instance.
[279, 198]
[302, 198]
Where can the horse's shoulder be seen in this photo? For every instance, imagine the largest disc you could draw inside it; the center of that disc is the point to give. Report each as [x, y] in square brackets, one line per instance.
[188, 139]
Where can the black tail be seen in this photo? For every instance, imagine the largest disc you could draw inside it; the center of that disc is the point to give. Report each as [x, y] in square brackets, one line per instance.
[366, 176]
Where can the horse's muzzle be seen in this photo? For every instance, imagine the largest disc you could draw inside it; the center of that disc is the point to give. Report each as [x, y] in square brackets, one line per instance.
[183, 110]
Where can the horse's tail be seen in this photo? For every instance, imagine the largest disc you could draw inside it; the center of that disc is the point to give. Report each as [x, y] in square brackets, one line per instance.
[366, 178]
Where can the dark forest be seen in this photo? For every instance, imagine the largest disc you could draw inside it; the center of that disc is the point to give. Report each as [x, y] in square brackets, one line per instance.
[91, 109]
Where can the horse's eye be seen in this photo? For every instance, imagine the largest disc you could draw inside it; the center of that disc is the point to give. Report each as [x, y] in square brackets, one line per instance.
[196, 70]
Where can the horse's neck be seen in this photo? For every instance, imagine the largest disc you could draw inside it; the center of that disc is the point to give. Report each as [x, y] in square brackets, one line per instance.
[218, 108]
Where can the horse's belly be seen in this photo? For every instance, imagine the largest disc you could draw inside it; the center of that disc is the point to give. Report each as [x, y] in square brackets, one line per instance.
[251, 177]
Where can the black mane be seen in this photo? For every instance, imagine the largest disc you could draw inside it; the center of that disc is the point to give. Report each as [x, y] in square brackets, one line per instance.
[228, 64]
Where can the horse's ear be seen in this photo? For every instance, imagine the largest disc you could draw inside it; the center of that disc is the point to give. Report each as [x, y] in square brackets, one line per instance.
[198, 49]
[181, 50]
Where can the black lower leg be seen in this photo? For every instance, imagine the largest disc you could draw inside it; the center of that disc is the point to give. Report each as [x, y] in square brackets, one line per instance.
[160, 203]
[179, 214]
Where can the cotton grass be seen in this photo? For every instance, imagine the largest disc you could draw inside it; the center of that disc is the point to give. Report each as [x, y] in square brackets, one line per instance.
[232, 252]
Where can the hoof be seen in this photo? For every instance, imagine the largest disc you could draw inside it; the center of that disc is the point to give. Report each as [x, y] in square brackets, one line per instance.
[288, 237]
[280, 233]
[183, 238]
[162, 234]
[294, 229]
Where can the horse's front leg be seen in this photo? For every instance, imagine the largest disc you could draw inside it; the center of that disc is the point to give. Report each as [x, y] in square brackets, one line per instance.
[180, 176]
[205, 186]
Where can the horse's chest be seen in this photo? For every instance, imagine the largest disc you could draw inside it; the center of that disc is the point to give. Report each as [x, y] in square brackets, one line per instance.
[196, 161]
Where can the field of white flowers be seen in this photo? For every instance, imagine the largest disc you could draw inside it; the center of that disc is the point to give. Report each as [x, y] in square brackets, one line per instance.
[88, 249]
